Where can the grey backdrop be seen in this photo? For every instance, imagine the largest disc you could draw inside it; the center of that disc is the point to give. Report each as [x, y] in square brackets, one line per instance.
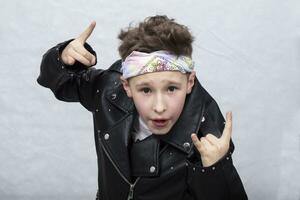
[247, 57]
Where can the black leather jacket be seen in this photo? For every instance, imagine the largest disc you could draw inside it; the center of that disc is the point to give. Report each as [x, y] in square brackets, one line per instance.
[159, 167]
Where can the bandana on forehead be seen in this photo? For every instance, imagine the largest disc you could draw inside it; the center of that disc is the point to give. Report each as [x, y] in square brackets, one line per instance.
[138, 63]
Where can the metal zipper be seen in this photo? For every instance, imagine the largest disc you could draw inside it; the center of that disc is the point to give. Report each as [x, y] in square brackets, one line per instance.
[131, 188]
[130, 194]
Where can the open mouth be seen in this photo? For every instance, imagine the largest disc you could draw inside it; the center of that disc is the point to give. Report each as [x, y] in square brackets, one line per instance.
[160, 123]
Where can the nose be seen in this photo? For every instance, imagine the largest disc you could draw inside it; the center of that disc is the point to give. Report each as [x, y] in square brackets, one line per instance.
[159, 104]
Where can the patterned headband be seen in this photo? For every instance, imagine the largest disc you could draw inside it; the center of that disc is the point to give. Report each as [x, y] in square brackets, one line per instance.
[138, 63]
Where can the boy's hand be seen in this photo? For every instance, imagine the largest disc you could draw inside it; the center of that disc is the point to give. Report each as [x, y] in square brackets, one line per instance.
[212, 148]
[75, 50]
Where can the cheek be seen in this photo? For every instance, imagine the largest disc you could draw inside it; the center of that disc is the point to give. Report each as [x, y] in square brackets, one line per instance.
[141, 105]
[177, 104]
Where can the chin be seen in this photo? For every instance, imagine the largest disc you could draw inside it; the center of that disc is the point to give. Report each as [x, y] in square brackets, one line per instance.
[160, 131]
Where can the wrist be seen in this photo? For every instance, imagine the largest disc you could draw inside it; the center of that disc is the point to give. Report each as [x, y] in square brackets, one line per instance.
[208, 162]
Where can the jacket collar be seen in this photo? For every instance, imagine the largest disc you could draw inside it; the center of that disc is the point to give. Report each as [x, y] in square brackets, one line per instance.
[118, 97]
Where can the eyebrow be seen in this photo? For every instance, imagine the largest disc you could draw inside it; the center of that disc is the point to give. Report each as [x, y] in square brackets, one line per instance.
[147, 83]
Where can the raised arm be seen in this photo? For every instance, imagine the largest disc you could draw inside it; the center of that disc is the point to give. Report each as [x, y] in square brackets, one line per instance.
[67, 70]
[214, 177]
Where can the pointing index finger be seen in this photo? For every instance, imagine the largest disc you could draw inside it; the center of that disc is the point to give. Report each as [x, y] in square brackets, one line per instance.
[86, 34]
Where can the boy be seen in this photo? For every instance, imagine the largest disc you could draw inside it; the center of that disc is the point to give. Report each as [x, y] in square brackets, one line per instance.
[158, 133]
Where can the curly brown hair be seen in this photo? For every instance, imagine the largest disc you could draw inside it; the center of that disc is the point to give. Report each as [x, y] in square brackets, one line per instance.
[154, 34]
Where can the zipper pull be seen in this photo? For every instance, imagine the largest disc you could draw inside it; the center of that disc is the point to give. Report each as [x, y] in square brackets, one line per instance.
[130, 195]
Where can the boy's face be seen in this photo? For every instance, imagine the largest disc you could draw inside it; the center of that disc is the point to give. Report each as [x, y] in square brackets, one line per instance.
[159, 97]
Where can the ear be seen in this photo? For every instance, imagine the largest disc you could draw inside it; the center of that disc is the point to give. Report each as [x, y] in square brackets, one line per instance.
[126, 87]
[190, 82]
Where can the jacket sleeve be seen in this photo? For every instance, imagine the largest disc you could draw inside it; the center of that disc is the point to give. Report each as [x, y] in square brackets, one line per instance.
[221, 180]
[74, 83]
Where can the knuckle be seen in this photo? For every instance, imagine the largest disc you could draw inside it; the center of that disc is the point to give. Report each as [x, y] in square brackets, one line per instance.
[199, 148]
[72, 44]
[87, 55]
[75, 44]
[223, 147]
[69, 51]
[219, 147]
[70, 61]
[209, 136]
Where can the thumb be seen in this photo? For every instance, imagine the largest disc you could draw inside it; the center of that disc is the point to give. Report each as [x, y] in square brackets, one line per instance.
[227, 132]
[86, 34]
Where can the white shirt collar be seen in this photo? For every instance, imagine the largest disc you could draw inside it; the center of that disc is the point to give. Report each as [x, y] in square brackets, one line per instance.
[142, 131]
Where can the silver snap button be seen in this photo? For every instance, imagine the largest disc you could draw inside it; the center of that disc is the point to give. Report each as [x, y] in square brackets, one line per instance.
[194, 169]
[116, 82]
[213, 168]
[203, 119]
[97, 91]
[97, 110]
[203, 170]
[171, 153]
[113, 96]
[57, 48]
[98, 131]
[58, 58]
[227, 158]
[62, 67]
[172, 168]
[186, 146]
[152, 169]
[109, 110]
[106, 136]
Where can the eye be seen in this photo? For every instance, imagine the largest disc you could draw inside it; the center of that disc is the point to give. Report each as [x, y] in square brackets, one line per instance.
[145, 90]
[172, 88]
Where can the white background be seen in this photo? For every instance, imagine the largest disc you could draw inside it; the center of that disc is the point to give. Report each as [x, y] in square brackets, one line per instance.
[246, 55]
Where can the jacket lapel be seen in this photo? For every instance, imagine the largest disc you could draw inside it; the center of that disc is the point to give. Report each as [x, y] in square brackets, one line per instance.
[117, 145]
[117, 138]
